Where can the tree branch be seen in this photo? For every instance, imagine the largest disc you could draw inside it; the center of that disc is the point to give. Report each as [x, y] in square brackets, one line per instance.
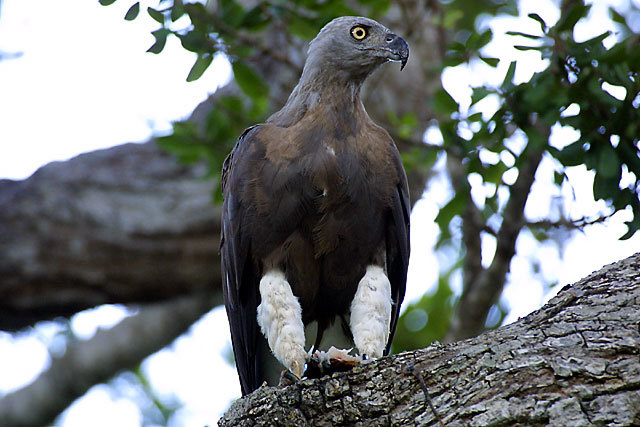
[86, 363]
[573, 362]
[570, 224]
[123, 225]
[483, 287]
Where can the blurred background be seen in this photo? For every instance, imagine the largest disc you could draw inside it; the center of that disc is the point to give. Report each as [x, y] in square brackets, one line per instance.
[517, 122]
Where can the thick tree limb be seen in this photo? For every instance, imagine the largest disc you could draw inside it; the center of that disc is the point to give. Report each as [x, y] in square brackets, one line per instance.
[123, 225]
[86, 363]
[573, 362]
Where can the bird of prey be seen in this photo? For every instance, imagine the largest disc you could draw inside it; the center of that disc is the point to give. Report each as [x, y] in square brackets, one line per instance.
[315, 222]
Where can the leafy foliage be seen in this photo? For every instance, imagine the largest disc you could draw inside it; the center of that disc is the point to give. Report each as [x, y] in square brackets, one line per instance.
[579, 74]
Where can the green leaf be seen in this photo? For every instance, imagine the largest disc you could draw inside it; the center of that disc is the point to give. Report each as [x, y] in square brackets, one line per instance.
[480, 93]
[604, 188]
[618, 18]
[608, 163]
[156, 15]
[536, 17]
[492, 62]
[443, 103]
[133, 11]
[177, 10]
[630, 230]
[230, 12]
[453, 59]
[195, 42]
[594, 41]
[161, 40]
[493, 173]
[255, 18]
[477, 41]
[571, 155]
[107, 2]
[475, 117]
[455, 207]
[508, 78]
[250, 83]
[199, 67]
[302, 27]
[519, 34]
[526, 48]
[569, 19]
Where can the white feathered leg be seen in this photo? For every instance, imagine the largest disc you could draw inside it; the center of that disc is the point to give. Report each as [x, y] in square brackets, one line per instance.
[371, 312]
[280, 319]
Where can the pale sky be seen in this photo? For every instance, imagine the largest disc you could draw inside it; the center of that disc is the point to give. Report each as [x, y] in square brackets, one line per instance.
[85, 82]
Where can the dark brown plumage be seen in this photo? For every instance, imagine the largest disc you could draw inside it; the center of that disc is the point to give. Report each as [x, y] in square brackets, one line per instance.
[318, 193]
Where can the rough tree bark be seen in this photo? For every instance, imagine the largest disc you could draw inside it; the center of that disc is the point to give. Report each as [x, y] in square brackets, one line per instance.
[574, 362]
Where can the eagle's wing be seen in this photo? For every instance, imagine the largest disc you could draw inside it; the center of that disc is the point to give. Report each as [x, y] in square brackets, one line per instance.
[240, 282]
[397, 244]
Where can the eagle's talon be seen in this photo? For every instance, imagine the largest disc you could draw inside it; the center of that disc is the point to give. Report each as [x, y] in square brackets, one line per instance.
[287, 378]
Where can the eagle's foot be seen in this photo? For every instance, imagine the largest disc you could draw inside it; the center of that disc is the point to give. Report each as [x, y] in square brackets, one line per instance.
[287, 378]
[366, 358]
[322, 363]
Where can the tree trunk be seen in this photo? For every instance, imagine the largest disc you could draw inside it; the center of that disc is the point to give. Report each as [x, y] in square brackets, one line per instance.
[574, 362]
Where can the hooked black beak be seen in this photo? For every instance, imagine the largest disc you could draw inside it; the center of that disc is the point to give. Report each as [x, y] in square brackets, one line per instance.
[398, 49]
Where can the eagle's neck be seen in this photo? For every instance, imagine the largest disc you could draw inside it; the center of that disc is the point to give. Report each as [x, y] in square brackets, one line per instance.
[322, 91]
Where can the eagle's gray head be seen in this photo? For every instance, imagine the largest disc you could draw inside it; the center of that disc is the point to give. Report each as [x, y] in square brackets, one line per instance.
[355, 46]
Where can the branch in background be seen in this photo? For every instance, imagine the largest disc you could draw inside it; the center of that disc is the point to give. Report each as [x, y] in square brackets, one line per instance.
[86, 363]
[483, 288]
[472, 226]
[571, 224]
[122, 225]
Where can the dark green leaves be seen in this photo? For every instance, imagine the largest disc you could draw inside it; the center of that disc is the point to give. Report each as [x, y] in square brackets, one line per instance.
[508, 77]
[249, 81]
[133, 11]
[568, 20]
[107, 2]
[156, 15]
[161, 39]
[536, 17]
[493, 62]
[200, 66]
[444, 103]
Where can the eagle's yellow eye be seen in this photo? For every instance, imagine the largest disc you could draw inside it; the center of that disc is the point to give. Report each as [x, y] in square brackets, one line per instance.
[358, 32]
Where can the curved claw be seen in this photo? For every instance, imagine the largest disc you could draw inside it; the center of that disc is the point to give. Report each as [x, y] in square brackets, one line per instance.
[287, 378]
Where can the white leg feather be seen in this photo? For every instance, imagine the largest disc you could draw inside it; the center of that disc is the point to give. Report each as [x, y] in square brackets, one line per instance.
[280, 319]
[371, 312]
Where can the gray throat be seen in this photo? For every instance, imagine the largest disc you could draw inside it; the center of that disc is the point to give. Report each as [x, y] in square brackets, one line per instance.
[319, 84]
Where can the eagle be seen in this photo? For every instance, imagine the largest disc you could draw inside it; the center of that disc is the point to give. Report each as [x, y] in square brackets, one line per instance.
[315, 216]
